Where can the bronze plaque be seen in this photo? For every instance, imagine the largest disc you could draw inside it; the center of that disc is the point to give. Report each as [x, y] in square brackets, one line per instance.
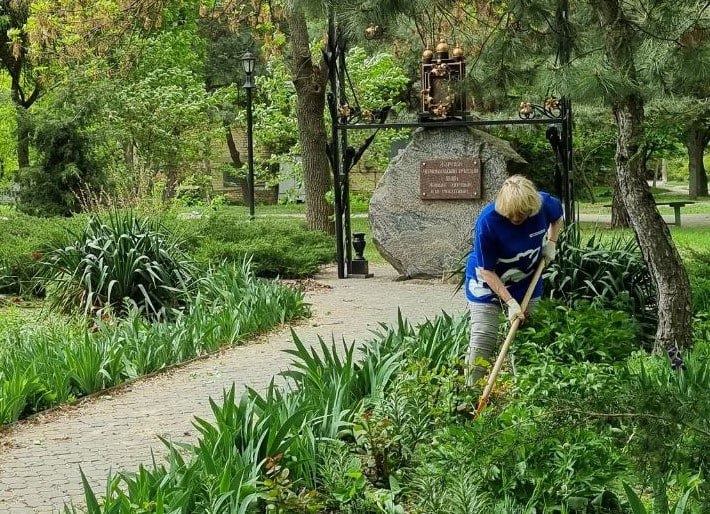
[450, 179]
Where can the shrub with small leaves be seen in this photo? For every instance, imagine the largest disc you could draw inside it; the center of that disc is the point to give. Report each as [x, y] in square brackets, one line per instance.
[25, 239]
[557, 333]
[276, 247]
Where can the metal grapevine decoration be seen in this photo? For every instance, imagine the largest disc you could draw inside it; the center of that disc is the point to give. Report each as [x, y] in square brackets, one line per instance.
[552, 108]
[348, 114]
[374, 31]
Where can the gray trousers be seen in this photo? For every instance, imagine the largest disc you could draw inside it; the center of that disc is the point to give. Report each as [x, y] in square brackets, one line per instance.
[484, 338]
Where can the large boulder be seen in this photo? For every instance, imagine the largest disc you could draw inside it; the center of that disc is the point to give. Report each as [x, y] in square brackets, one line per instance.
[429, 238]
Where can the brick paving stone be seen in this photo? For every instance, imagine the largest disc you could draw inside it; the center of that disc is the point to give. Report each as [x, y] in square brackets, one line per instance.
[39, 467]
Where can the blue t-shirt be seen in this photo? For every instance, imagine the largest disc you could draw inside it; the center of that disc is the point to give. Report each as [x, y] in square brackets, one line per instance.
[512, 251]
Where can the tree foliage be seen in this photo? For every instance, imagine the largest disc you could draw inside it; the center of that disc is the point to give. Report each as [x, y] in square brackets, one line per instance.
[65, 169]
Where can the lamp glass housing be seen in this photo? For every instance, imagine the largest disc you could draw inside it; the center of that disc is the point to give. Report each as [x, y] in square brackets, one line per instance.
[248, 62]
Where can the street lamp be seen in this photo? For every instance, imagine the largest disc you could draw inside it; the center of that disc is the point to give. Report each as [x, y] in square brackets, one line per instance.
[248, 61]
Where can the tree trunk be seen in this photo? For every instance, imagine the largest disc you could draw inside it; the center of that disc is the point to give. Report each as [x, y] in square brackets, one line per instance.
[696, 140]
[652, 234]
[310, 81]
[232, 146]
[171, 181]
[664, 171]
[129, 155]
[18, 67]
[22, 115]
[23, 138]
[619, 215]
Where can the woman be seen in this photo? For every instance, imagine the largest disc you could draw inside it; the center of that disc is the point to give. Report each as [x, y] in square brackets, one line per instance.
[511, 236]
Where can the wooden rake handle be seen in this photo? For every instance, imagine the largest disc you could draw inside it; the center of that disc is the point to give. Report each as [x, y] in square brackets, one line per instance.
[483, 401]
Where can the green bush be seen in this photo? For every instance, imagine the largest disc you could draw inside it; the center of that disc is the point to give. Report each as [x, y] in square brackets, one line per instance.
[556, 333]
[522, 457]
[276, 247]
[608, 272]
[671, 426]
[25, 240]
[678, 169]
[116, 263]
[66, 169]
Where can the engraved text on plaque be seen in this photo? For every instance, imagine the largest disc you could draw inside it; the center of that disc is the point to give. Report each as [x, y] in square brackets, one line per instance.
[450, 179]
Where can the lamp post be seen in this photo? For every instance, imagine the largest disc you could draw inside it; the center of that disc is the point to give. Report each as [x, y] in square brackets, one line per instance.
[248, 61]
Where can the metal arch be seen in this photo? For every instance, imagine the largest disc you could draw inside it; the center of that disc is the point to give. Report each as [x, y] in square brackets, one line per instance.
[344, 117]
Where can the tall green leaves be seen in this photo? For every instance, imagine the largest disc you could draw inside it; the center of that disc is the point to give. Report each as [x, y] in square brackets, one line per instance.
[116, 263]
[51, 366]
[606, 271]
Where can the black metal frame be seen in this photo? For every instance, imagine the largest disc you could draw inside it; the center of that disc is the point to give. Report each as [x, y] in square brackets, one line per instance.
[344, 117]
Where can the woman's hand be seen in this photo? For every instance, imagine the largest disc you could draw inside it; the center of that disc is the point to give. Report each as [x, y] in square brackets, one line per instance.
[549, 252]
[514, 310]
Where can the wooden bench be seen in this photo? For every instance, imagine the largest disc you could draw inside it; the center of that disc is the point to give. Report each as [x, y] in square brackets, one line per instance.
[676, 209]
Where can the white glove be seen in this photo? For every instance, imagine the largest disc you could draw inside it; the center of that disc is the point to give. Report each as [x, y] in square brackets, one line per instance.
[549, 251]
[514, 310]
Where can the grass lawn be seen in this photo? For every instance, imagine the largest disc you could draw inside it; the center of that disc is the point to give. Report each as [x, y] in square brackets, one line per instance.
[17, 313]
[670, 194]
[697, 238]
[700, 205]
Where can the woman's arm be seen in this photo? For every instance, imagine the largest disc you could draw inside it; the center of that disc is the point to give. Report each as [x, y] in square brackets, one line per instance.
[554, 229]
[496, 284]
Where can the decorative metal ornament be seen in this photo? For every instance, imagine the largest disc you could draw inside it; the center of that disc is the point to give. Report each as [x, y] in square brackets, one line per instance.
[344, 111]
[374, 31]
[440, 74]
[552, 108]
[427, 54]
[349, 114]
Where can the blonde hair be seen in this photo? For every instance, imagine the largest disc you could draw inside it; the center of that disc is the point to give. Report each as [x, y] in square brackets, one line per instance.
[517, 196]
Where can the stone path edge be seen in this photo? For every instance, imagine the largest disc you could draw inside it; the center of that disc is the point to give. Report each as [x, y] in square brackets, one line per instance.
[45, 416]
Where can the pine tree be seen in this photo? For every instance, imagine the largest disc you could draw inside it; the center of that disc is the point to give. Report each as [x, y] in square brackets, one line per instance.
[603, 51]
[630, 31]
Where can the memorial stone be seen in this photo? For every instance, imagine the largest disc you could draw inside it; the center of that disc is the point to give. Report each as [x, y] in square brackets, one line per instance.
[423, 209]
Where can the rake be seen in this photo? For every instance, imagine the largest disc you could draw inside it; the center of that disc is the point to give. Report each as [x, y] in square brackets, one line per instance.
[483, 401]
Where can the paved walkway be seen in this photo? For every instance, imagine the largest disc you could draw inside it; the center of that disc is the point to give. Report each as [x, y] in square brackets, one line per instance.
[39, 460]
